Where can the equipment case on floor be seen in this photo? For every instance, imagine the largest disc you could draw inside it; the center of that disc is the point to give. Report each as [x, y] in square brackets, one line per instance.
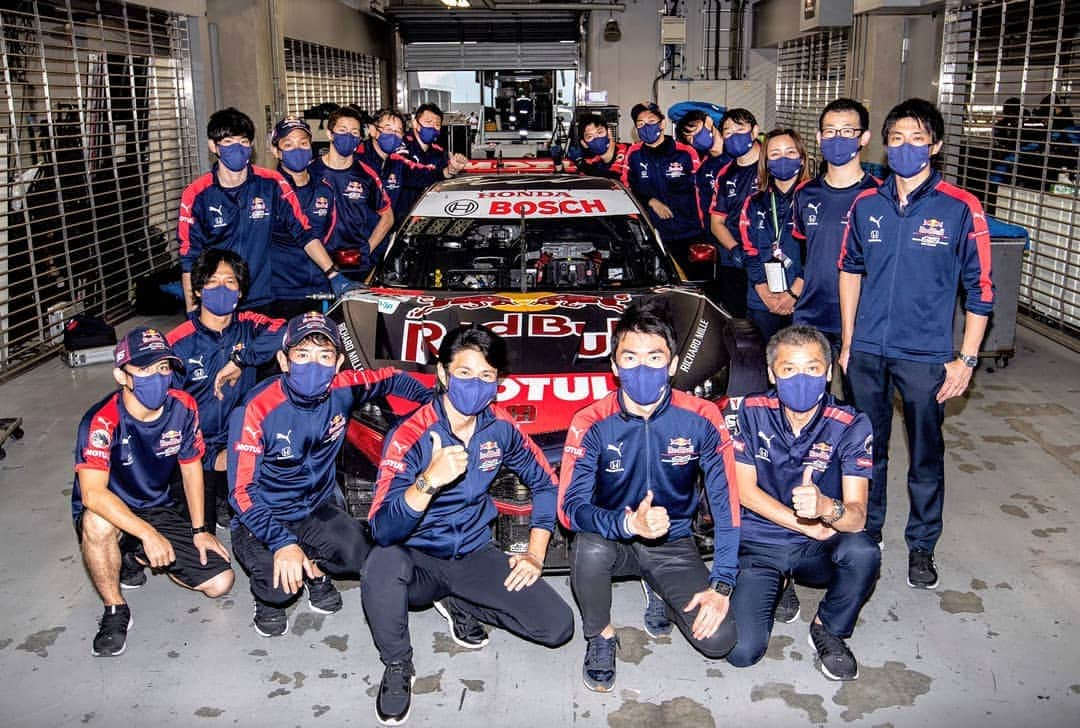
[86, 357]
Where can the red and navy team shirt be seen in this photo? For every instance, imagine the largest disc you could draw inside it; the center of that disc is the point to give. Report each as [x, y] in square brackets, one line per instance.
[914, 259]
[458, 519]
[758, 230]
[295, 274]
[434, 155]
[359, 200]
[734, 185]
[668, 173]
[140, 457]
[820, 219]
[403, 179]
[836, 442]
[612, 458]
[594, 165]
[241, 219]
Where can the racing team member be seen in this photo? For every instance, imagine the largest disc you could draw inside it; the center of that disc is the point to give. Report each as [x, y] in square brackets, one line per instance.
[629, 491]
[431, 521]
[735, 183]
[127, 448]
[237, 205]
[820, 217]
[914, 239]
[601, 157]
[422, 142]
[214, 343]
[364, 211]
[660, 171]
[289, 528]
[803, 463]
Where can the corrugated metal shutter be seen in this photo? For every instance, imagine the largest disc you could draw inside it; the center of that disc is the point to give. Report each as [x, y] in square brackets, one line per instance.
[1013, 147]
[316, 74]
[97, 141]
[489, 56]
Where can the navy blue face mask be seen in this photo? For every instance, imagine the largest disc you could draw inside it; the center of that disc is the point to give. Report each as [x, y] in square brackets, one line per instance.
[234, 156]
[598, 145]
[427, 134]
[649, 133]
[702, 139]
[738, 143]
[296, 160]
[784, 168]
[389, 143]
[151, 390]
[801, 392]
[839, 150]
[345, 143]
[310, 379]
[470, 396]
[220, 300]
[907, 160]
[643, 384]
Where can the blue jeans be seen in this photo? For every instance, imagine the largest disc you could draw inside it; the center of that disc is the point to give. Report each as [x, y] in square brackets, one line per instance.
[873, 381]
[846, 565]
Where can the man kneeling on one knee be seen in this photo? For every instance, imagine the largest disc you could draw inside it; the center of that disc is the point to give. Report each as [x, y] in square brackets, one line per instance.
[803, 464]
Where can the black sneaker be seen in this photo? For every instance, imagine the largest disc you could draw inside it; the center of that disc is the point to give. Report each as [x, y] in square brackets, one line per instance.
[111, 637]
[223, 517]
[394, 700]
[921, 570]
[788, 608]
[598, 672]
[657, 623]
[837, 662]
[465, 629]
[270, 621]
[323, 596]
[132, 573]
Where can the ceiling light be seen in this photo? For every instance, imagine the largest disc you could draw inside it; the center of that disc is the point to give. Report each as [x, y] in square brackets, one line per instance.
[456, 3]
[612, 32]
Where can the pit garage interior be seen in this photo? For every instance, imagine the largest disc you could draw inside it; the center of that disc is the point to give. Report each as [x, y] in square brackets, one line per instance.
[102, 110]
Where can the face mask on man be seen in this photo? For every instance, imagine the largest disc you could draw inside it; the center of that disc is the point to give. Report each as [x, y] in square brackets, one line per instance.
[801, 392]
[702, 139]
[345, 143]
[907, 160]
[598, 145]
[388, 142]
[220, 300]
[296, 160]
[643, 384]
[151, 390]
[738, 143]
[310, 380]
[427, 134]
[839, 150]
[471, 395]
[234, 156]
[649, 133]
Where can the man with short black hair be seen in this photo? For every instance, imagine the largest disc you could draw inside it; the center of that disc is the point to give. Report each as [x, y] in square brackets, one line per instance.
[601, 157]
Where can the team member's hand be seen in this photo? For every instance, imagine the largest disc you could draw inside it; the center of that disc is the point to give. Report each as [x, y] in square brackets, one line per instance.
[456, 164]
[816, 530]
[806, 498]
[447, 463]
[785, 304]
[341, 284]
[208, 542]
[290, 564]
[662, 211]
[844, 358]
[525, 569]
[649, 521]
[159, 552]
[957, 378]
[229, 374]
[712, 608]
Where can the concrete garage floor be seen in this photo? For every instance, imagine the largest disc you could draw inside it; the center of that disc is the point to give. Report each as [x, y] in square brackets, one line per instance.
[995, 645]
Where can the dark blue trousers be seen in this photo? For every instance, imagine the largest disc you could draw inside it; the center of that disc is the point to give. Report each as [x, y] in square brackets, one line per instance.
[874, 379]
[846, 565]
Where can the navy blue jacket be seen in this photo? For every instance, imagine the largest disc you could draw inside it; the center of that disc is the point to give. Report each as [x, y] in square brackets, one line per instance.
[758, 230]
[734, 184]
[434, 156]
[667, 173]
[359, 200]
[403, 179]
[820, 218]
[595, 166]
[281, 460]
[913, 260]
[837, 441]
[254, 337]
[295, 275]
[458, 519]
[612, 458]
[241, 219]
[140, 457]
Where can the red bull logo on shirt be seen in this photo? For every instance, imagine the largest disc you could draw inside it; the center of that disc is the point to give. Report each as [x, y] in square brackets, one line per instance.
[931, 233]
[258, 209]
[490, 455]
[355, 191]
[680, 451]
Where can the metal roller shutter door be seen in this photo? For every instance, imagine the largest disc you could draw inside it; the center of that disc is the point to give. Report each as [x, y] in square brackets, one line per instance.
[489, 56]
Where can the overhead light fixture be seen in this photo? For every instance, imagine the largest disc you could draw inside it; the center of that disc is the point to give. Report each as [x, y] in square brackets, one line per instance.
[612, 32]
[456, 3]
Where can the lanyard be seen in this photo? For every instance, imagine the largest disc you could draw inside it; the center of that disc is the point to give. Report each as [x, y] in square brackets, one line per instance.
[777, 251]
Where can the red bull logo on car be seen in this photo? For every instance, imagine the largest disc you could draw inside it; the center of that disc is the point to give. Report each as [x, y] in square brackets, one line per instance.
[421, 339]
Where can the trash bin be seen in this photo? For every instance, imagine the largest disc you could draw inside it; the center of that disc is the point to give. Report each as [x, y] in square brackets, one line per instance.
[1007, 245]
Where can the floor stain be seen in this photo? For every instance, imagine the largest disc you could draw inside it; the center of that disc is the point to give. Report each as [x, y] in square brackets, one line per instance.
[428, 684]
[173, 654]
[1075, 688]
[1062, 453]
[1003, 439]
[258, 653]
[713, 672]
[193, 610]
[87, 717]
[39, 642]
[319, 710]
[776, 647]
[298, 680]
[891, 616]
[476, 686]
[978, 584]
[1003, 585]
[442, 642]
[960, 439]
[228, 604]
[280, 678]
[967, 468]
[1048, 532]
[306, 621]
[681, 711]
[327, 672]
[66, 558]
[814, 705]
[1032, 501]
[339, 642]
[957, 602]
[795, 656]
[205, 712]
[1025, 409]
[5, 642]
[1010, 510]
[891, 685]
[278, 693]
[373, 691]
[633, 644]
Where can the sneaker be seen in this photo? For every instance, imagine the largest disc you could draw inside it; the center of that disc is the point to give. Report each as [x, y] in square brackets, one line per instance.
[788, 608]
[921, 570]
[270, 621]
[132, 573]
[879, 539]
[657, 623]
[223, 517]
[111, 637]
[323, 596]
[837, 662]
[394, 700]
[465, 629]
[598, 672]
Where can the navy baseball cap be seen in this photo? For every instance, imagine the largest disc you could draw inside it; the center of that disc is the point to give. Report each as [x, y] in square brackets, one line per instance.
[143, 346]
[642, 108]
[283, 128]
[307, 324]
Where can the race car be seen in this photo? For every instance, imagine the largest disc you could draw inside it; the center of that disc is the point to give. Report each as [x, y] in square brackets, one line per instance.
[549, 262]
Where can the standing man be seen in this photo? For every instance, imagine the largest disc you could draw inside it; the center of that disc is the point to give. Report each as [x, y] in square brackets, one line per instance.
[803, 463]
[914, 240]
[128, 446]
[629, 490]
[821, 216]
[422, 143]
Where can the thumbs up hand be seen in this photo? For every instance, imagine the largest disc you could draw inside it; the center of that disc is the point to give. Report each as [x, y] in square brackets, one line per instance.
[649, 521]
[805, 498]
[447, 463]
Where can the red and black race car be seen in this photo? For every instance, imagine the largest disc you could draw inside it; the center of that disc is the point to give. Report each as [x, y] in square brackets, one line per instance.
[549, 262]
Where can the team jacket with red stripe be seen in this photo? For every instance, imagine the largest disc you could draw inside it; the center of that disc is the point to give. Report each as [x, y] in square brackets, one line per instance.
[241, 219]
[281, 457]
[295, 274]
[435, 155]
[205, 352]
[140, 457]
[458, 520]
[403, 178]
[837, 441]
[757, 231]
[612, 458]
[667, 172]
[359, 198]
[595, 166]
[913, 258]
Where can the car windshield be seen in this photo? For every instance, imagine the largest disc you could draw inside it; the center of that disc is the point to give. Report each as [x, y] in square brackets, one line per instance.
[528, 253]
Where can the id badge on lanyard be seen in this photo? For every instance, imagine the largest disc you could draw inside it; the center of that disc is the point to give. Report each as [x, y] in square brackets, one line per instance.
[776, 269]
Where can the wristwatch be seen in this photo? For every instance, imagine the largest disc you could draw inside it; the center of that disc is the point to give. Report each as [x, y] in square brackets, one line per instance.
[195, 530]
[720, 587]
[969, 361]
[838, 510]
[424, 485]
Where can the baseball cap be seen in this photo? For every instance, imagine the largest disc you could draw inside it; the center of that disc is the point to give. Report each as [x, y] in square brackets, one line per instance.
[287, 125]
[640, 108]
[307, 324]
[143, 346]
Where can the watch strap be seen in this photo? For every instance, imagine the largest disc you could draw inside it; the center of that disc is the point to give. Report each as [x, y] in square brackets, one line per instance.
[720, 587]
[195, 530]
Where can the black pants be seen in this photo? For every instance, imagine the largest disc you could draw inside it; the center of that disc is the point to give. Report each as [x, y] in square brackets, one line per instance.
[398, 578]
[729, 289]
[674, 570]
[330, 537]
[215, 492]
